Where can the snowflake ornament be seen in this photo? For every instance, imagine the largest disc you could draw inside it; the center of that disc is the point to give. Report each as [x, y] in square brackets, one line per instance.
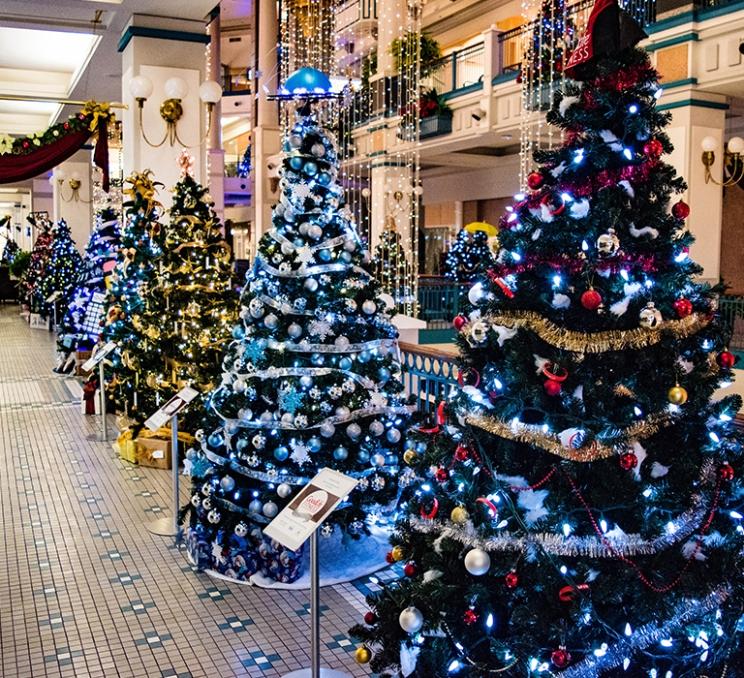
[300, 453]
[320, 328]
[217, 553]
[290, 401]
[305, 255]
[377, 400]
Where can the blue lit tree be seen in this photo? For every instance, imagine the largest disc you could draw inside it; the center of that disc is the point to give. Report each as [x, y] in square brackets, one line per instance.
[310, 379]
[83, 321]
[578, 510]
[61, 269]
[468, 257]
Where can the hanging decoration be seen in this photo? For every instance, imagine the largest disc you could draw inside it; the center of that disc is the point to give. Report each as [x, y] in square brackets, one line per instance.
[26, 157]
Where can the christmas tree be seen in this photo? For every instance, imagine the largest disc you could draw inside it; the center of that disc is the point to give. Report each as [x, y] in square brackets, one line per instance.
[310, 380]
[578, 507]
[39, 256]
[191, 306]
[392, 267]
[553, 37]
[81, 325]
[10, 250]
[132, 375]
[469, 256]
[61, 269]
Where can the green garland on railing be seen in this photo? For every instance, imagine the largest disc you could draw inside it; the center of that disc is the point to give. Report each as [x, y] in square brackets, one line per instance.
[85, 120]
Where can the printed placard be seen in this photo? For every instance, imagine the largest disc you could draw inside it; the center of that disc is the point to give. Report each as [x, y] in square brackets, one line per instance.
[171, 408]
[312, 505]
[53, 297]
[98, 356]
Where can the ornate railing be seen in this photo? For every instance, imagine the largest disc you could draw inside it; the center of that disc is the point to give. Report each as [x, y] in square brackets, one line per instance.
[463, 68]
[428, 374]
[732, 316]
[439, 300]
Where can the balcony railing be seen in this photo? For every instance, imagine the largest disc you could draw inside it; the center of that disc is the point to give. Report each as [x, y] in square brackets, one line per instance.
[351, 11]
[439, 301]
[463, 68]
[428, 374]
[732, 317]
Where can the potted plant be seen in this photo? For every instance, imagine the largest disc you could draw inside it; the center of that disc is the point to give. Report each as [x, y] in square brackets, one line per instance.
[435, 116]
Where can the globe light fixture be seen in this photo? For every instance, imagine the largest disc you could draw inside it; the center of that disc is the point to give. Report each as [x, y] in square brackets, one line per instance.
[733, 162]
[74, 182]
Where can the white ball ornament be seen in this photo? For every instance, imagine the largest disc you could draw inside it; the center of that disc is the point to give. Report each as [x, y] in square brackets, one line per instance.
[287, 418]
[315, 232]
[343, 412]
[369, 307]
[327, 429]
[284, 490]
[411, 620]
[306, 381]
[271, 321]
[311, 284]
[354, 430]
[318, 150]
[241, 529]
[295, 140]
[377, 428]
[477, 562]
[341, 342]
[245, 414]
[378, 460]
[214, 516]
[270, 509]
[239, 385]
[255, 506]
[294, 330]
[476, 294]
[227, 484]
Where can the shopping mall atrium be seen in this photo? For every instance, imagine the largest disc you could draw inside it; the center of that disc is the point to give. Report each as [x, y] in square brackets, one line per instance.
[387, 338]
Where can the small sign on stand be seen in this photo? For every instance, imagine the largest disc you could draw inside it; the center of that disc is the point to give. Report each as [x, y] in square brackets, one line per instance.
[88, 365]
[297, 522]
[168, 527]
[51, 299]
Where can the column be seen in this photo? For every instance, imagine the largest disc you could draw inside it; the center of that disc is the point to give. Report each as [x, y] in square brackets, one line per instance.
[390, 201]
[215, 152]
[266, 133]
[161, 48]
[694, 118]
[75, 207]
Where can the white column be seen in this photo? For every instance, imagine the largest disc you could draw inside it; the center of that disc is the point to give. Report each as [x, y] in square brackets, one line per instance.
[390, 201]
[75, 207]
[266, 133]
[392, 19]
[690, 124]
[215, 153]
[161, 48]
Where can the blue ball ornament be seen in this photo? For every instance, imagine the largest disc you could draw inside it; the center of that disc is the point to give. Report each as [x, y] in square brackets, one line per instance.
[324, 255]
[384, 374]
[364, 357]
[241, 444]
[310, 169]
[215, 440]
[227, 484]
[316, 359]
[255, 506]
[281, 453]
[340, 453]
[345, 363]
[363, 456]
[324, 179]
[314, 444]
[296, 162]
[238, 332]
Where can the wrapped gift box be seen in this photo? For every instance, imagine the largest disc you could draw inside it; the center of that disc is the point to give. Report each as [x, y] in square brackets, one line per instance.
[153, 452]
[126, 448]
[80, 358]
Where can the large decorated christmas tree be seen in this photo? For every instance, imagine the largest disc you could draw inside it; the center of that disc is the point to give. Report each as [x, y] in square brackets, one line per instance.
[578, 508]
[61, 270]
[39, 257]
[310, 379]
[83, 319]
[190, 305]
[469, 256]
[136, 365]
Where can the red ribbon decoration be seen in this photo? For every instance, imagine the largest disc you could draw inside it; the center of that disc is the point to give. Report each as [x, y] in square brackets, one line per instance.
[430, 515]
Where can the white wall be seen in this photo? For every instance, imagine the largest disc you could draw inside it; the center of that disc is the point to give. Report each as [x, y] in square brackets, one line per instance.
[482, 184]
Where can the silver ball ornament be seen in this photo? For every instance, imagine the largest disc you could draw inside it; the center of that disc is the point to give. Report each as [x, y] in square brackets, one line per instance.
[270, 509]
[315, 232]
[271, 321]
[650, 316]
[294, 330]
[311, 284]
[284, 490]
[369, 307]
[255, 506]
[227, 484]
[354, 430]
[377, 428]
[327, 429]
[411, 620]
[378, 460]
[477, 562]
[393, 435]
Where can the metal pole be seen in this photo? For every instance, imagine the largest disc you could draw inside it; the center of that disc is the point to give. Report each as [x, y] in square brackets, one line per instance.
[102, 391]
[314, 607]
[54, 100]
[174, 458]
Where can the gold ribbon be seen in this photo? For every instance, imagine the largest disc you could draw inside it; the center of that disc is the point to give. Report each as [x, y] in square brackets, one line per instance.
[598, 342]
[97, 111]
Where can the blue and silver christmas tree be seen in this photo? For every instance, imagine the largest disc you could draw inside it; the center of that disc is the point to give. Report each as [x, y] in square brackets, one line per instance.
[62, 268]
[310, 379]
[82, 322]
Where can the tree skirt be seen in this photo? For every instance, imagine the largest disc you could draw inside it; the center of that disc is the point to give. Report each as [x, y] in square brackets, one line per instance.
[339, 562]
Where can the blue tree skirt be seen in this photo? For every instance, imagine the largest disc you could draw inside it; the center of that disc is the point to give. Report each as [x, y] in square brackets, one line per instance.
[339, 562]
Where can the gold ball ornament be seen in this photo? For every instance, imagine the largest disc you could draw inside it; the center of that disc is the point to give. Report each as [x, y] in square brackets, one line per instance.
[459, 515]
[397, 553]
[677, 395]
[409, 456]
[362, 655]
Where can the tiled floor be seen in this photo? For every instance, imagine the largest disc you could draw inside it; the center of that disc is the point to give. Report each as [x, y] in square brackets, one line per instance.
[86, 590]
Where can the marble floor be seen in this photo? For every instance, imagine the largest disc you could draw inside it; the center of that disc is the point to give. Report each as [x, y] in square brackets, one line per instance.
[86, 590]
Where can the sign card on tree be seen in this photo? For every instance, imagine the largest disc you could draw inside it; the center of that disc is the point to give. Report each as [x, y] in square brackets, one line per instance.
[98, 356]
[171, 408]
[314, 503]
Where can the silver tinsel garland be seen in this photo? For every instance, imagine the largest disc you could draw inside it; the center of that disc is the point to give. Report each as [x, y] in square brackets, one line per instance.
[310, 270]
[306, 347]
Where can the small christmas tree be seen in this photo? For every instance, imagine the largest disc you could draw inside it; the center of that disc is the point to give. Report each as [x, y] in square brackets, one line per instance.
[82, 322]
[136, 366]
[468, 257]
[552, 39]
[10, 250]
[310, 380]
[191, 306]
[392, 267]
[61, 269]
[39, 256]
[578, 510]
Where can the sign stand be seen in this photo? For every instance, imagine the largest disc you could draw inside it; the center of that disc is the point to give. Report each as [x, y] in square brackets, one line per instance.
[102, 392]
[299, 520]
[168, 527]
[97, 359]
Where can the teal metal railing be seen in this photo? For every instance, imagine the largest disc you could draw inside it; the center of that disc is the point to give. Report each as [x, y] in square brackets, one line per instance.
[428, 374]
[460, 69]
[439, 301]
[732, 317]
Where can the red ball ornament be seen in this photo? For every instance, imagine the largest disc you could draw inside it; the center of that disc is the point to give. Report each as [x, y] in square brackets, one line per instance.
[552, 387]
[410, 569]
[66, 125]
[681, 210]
[459, 322]
[683, 307]
[726, 472]
[389, 558]
[25, 144]
[653, 148]
[628, 461]
[462, 452]
[591, 300]
[441, 475]
[469, 617]
[726, 359]
[370, 618]
[511, 580]
[560, 658]
[535, 180]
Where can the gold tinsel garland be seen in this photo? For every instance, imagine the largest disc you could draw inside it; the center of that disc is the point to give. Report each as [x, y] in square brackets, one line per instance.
[597, 342]
[551, 443]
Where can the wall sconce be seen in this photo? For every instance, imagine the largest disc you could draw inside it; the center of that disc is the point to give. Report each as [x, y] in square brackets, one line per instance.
[74, 182]
[171, 110]
[733, 163]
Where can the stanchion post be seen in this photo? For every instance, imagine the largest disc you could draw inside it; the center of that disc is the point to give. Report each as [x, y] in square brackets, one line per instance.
[102, 391]
[314, 606]
[168, 527]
